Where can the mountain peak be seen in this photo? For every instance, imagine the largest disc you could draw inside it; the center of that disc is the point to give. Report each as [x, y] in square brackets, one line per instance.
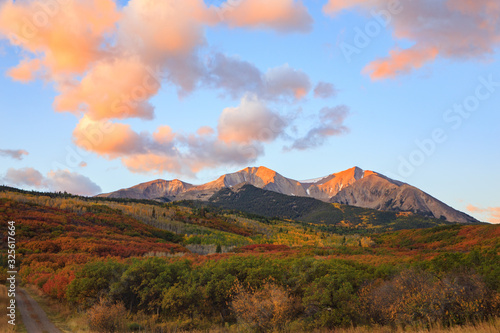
[353, 186]
[354, 172]
[256, 169]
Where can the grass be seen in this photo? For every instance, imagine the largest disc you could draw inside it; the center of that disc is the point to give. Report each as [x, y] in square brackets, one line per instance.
[5, 327]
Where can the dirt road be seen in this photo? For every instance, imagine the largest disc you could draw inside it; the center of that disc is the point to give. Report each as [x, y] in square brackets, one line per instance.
[34, 318]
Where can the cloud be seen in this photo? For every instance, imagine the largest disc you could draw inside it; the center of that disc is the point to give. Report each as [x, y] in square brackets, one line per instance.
[109, 139]
[238, 77]
[24, 177]
[192, 154]
[491, 214]
[331, 123]
[166, 36]
[451, 29]
[116, 89]
[107, 67]
[285, 80]
[325, 90]
[165, 135]
[145, 23]
[279, 15]
[60, 33]
[60, 180]
[111, 65]
[249, 122]
[234, 75]
[195, 153]
[400, 62]
[238, 140]
[205, 130]
[15, 154]
[25, 71]
[71, 182]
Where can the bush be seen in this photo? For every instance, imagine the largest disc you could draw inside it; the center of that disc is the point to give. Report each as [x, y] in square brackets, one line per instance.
[266, 310]
[107, 318]
[135, 327]
[417, 296]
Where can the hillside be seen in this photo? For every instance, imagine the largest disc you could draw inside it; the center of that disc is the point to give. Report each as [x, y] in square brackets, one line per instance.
[138, 263]
[254, 200]
[94, 230]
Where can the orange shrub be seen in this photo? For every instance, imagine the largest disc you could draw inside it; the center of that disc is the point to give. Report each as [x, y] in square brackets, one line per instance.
[106, 318]
[265, 310]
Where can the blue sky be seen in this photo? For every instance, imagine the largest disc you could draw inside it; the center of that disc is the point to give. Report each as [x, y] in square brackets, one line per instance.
[423, 74]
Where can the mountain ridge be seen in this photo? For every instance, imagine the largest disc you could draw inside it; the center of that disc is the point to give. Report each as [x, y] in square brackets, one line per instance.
[354, 186]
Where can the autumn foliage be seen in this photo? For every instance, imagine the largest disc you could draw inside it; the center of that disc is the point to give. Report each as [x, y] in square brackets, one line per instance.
[129, 260]
[107, 318]
[267, 309]
[417, 296]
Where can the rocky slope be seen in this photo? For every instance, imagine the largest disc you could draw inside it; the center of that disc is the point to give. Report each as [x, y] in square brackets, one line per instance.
[379, 192]
[329, 186]
[151, 190]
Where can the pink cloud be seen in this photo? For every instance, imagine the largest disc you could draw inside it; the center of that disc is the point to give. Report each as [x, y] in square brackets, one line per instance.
[107, 139]
[492, 214]
[241, 132]
[71, 182]
[333, 7]
[24, 177]
[325, 90]
[60, 180]
[15, 154]
[280, 15]
[400, 62]
[116, 89]
[66, 36]
[107, 62]
[250, 121]
[452, 29]
[25, 71]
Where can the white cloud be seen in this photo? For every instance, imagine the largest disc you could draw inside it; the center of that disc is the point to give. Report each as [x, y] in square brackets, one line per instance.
[60, 180]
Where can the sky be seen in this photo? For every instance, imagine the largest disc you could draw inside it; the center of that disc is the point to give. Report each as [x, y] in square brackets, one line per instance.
[98, 95]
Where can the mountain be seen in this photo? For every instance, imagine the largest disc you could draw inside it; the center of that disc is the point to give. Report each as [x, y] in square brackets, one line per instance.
[260, 177]
[325, 188]
[250, 199]
[151, 190]
[379, 192]
[354, 187]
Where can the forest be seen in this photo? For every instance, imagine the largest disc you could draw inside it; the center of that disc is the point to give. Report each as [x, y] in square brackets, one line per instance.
[125, 266]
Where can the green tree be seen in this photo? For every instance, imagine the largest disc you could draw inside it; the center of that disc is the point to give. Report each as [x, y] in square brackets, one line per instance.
[94, 281]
